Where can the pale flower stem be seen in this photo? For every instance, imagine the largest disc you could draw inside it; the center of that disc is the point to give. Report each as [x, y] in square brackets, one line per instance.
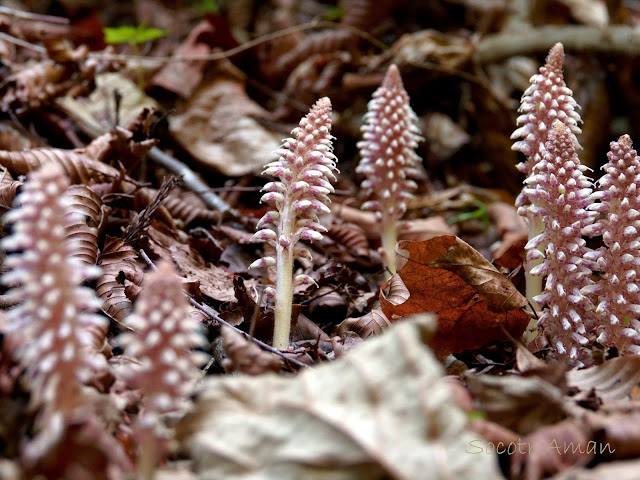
[533, 282]
[389, 240]
[284, 298]
[148, 456]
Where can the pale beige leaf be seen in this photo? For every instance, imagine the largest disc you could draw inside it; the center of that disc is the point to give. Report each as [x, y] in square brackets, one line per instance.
[611, 380]
[217, 127]
[382, 411]
[589, 12]
[97, 111]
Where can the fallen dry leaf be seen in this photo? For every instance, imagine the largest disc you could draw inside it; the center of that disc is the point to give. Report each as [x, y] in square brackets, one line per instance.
[245, 356]
[217, 127]
[618, 470]
[473, 301]
[382, 410]
[519, 403]
[552, 449]
[373, 323]
[611, 380]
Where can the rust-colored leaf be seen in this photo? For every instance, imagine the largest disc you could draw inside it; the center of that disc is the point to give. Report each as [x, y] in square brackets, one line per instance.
[474, 302]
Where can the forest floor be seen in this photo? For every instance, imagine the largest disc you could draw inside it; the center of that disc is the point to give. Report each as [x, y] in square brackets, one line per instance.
[163, 115]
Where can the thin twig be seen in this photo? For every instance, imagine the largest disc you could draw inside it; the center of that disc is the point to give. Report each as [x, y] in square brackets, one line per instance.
[190, 180]
[617, 39]
[22, 43]
[33, 16]
[214, 315]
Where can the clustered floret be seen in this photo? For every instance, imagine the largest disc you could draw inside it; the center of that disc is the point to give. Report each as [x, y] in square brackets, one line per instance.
[390, 136]
[162, 339]
[560, 194]
[559, 201]
[547, 99]
[52, 324]
[618, 292]
[304, 171]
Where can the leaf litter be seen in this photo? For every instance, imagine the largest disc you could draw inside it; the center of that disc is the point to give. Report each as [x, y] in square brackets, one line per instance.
[360, 393]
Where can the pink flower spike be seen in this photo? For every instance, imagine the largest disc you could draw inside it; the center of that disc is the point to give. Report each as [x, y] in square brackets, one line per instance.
[163, 335]
[547, 99]
[304, 171]
[620, 200]
[388, 158]
[566, 310]
[52, 324]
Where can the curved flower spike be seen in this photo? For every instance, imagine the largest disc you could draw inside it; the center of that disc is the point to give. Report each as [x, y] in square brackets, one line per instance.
[304, 170]
[53, 322]
[560, 194]
[388, 158]
[618, 292]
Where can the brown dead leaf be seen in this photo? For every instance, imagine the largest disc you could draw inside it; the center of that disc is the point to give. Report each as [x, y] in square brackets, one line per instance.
[97, 111]
[620, 432]
[552, 449]
[431, 47]
[519, 403]
[182, 77]
[121, 275]
[245, 356]
[373, 323]
[85, 227]
[380, 411]
[611, 380]
[474, 302]
[218, 129]
[215, 281]
[421, 229]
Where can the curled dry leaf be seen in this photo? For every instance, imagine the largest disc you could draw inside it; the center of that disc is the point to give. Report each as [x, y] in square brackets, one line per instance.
[612, 380]
[78, 167]
[351, 236]
[552, 449]
[245, 356]
[521, 404]
[431, 47]
[339, 420]
[121, 274]
[473, 301]
[373, 323]
[188, 207]
[218, 129]
[8, 192]
[85, 228]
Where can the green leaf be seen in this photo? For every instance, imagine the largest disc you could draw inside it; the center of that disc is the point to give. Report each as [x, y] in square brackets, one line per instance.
[132, 35]
[206, 6]
[476, 414]
[481, 212]
[334, 13]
